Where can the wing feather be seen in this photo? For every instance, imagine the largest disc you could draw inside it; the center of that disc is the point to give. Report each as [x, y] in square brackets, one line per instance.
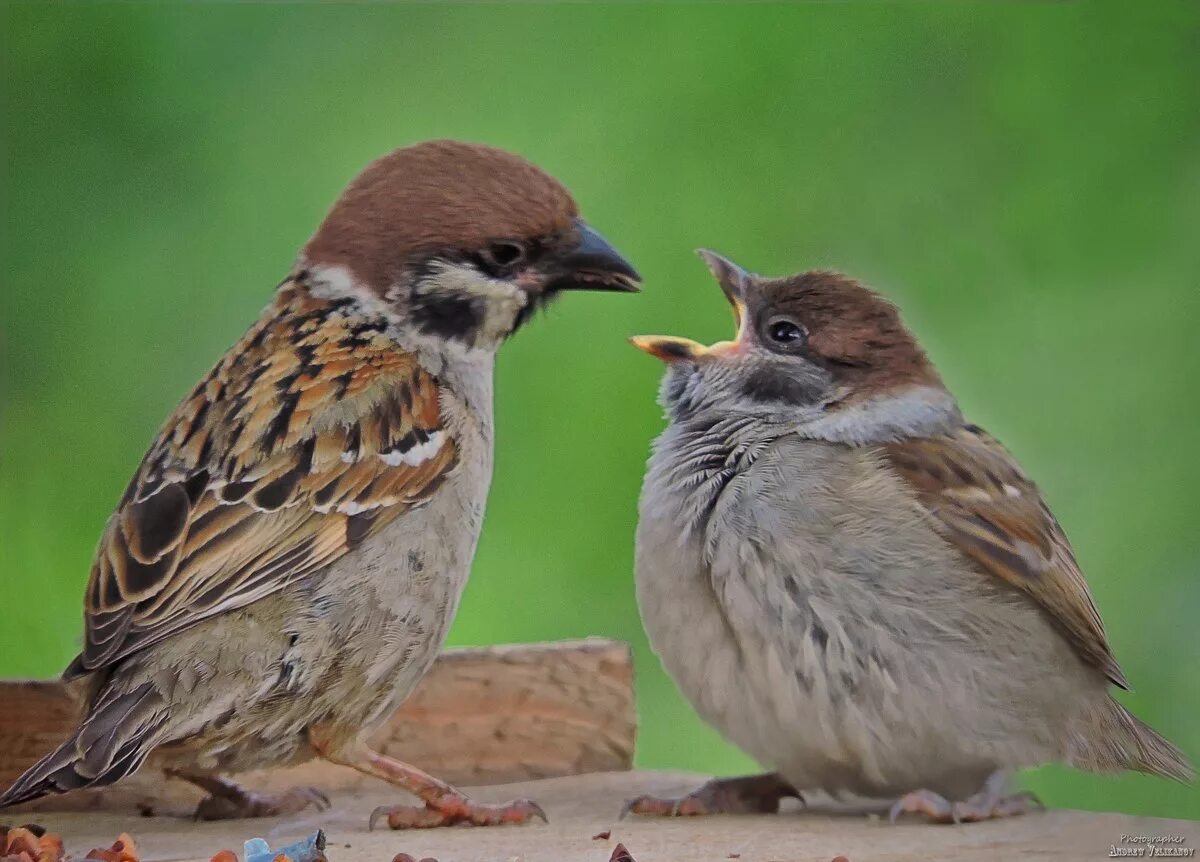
[993, 512]
[312, 433]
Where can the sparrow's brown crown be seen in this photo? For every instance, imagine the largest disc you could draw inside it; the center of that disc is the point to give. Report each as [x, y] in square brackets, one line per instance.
[432, 197]
[829, 321]
[854, 330]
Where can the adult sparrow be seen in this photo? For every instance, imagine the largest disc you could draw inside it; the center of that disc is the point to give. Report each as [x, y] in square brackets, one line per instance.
[853, 584]
[285, 563]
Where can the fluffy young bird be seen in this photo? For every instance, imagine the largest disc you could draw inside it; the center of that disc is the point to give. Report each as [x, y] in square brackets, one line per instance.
[285, 563]
[855, 585]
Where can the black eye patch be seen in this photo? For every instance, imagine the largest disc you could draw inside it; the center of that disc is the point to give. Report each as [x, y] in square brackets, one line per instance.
[449, 315]
[775, 385]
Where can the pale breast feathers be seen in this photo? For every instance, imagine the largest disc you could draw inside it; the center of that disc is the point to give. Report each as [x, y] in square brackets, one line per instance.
[313, 432]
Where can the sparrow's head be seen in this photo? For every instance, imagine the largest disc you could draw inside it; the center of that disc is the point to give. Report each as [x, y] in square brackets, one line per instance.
[462, 240]
[815, 349]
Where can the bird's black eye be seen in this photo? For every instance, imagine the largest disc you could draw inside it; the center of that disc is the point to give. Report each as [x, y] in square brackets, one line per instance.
[502, 255]
[785, 332]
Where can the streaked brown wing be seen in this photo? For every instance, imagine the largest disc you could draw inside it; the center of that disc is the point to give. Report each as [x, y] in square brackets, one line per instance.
[995, 515]
[312, 432]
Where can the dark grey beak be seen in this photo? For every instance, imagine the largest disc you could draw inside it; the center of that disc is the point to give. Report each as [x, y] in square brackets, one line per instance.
[592, 264]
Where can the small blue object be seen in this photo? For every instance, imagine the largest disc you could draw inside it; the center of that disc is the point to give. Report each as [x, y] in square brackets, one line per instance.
[311, 849]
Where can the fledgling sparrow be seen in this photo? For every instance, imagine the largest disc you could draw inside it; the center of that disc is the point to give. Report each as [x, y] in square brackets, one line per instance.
[284, 565]
[855, 585]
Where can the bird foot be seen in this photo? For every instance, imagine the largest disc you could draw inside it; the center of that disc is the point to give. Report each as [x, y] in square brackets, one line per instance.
[229, 801]
[444, 806]
[248, 804]
[453, 809]
[751, 794]
[981, 806]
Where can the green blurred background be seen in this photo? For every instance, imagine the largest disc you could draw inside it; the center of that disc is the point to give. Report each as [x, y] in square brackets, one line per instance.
[1023, 179]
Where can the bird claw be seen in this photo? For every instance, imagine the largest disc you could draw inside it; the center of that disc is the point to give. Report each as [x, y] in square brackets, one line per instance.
[652, 805]
[751, 794]
[973, 810]
[932, 805]
[658, 806]
[244, 804]
[455, 810]
[982, 806]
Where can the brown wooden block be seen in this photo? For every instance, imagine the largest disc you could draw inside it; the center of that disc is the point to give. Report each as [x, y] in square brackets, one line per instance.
[481, 716]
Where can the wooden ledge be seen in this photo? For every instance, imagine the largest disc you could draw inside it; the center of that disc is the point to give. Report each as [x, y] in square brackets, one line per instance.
[514, 713]
[580, 807]
[481, 716]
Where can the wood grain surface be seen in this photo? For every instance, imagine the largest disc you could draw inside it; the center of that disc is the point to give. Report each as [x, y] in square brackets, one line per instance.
[583, 806]
[481, 716]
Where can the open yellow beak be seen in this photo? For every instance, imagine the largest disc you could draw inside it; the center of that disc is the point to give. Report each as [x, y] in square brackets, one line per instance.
[733, 280]
[668, 348]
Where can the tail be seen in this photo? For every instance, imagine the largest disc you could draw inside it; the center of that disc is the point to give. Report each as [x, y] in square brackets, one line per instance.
[1126, 742]
[120, 730]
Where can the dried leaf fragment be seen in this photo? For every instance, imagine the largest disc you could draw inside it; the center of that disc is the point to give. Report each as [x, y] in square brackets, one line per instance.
[123, 850]
[30, 843]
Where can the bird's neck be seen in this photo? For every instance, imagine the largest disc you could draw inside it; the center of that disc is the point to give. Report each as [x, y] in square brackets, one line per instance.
[912, 411]
[309, 298]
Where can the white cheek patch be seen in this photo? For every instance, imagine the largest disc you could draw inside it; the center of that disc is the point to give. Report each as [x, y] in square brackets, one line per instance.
[414, 455]
[501, 300]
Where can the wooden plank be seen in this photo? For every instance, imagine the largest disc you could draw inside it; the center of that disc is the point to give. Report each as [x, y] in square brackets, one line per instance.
[481, 716]
[580, 807]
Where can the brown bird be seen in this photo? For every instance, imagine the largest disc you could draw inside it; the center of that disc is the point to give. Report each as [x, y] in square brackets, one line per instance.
[854, 584]
[284, 565]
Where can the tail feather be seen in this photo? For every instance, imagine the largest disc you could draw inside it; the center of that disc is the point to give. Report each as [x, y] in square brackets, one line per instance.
[1156, 754]
[114, 740]
[1124, 741]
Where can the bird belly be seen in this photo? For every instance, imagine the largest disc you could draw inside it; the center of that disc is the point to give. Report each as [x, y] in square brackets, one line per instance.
[342, 648]
[853, 659]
